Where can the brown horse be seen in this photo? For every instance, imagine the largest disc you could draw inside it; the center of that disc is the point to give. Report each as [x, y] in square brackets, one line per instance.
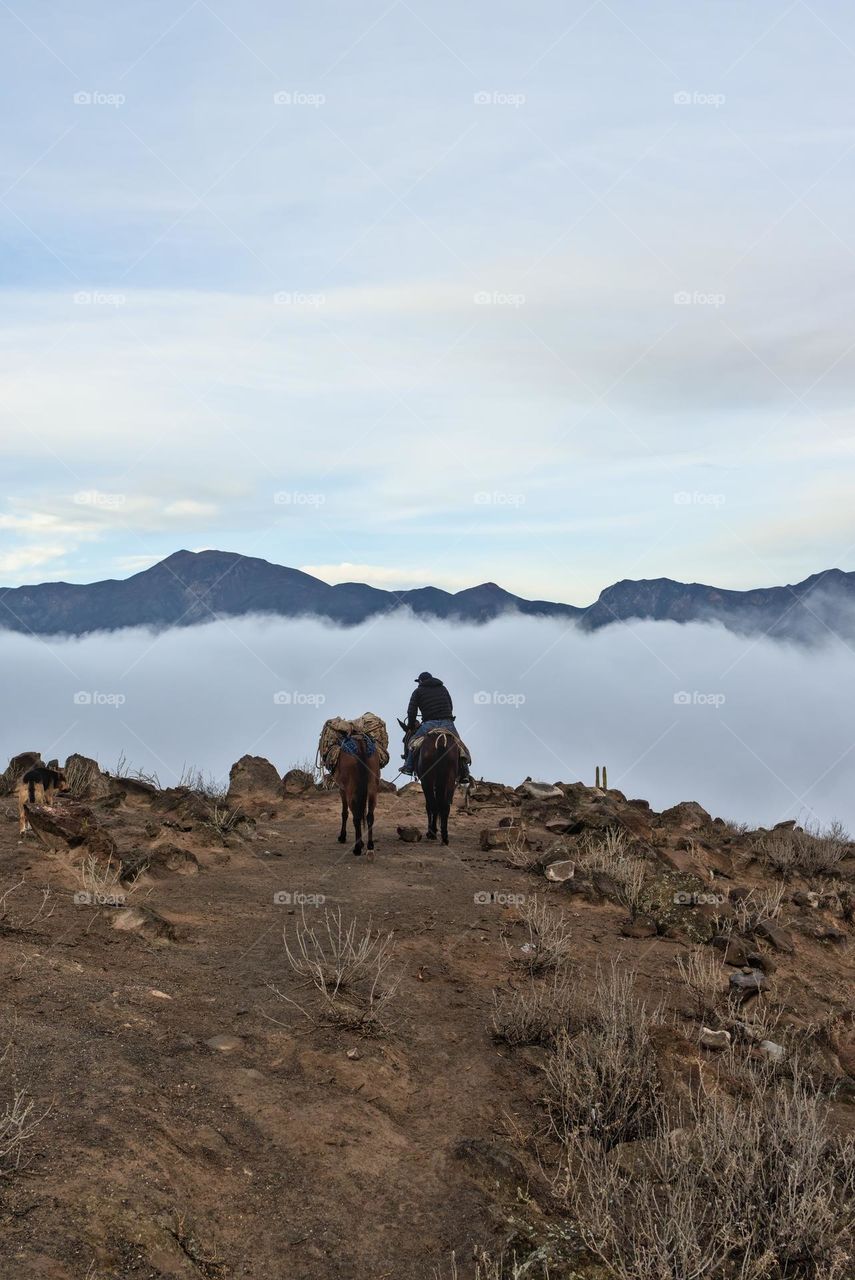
[438, 769]
[358, 777]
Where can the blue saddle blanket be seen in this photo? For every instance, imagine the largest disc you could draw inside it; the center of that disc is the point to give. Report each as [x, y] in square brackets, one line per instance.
[351, 746]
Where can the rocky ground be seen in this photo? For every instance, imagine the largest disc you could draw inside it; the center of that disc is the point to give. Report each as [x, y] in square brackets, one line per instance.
[203, 1111]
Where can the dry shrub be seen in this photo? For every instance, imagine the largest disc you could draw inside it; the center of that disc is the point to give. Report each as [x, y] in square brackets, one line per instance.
[18, 1123]
[519, 854]
[489, 1268]
[628, 873]
[352, 970]
[757, 1189]
[702, 972]
[15, 916]
[812, 851]
[102, 882]
[201, 784]
[536, 1012]
[124, 769]
[549, 942]
[224, 820]
[602, 1079]
[758, 905]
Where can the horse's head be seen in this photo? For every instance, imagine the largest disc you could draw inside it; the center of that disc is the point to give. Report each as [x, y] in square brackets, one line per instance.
[403, 725]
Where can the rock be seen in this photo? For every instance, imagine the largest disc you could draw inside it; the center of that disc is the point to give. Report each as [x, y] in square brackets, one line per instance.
[828, 933]
[559, 826]
[774, 1052]
[295, 782]
[185, 807]
[253, 778]
[145, 921]
[71, 826]
[159, 862]
[748, 982]
[383, 784]
[560, 871]
[805, 899]
[411, 835]
[765, 963]
[686, 816]
[775, 936]
[224, 1043]
[354, 1055]
[131, 790]
[787, 825]
[639, 927]
[85, 779]
[16, 768]
[735, 950]
[714, 1039]
[500, 838]
[542, 790]
[494, 1161]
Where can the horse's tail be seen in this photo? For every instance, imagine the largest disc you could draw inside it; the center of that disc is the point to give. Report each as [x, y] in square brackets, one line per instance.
[360, 795]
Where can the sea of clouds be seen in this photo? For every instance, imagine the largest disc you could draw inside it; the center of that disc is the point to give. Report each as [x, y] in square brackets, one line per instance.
[756, 730]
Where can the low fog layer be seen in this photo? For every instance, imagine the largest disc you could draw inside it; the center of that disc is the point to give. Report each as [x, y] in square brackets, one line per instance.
[754, 730]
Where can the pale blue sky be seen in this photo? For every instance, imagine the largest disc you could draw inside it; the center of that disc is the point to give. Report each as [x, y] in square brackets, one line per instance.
[428, 300]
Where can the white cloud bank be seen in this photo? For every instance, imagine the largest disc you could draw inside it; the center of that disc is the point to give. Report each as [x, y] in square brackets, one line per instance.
[753, 730]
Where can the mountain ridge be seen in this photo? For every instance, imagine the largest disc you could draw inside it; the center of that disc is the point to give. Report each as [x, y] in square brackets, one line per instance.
[187, 588]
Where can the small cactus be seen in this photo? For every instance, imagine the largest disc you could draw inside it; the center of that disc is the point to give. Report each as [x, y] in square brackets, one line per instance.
[597, 783]
[605, 779]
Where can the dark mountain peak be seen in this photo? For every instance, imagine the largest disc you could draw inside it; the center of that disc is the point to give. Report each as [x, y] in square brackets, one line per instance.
[191, 587]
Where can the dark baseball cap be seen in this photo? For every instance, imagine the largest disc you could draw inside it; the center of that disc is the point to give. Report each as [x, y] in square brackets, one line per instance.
[425, 675]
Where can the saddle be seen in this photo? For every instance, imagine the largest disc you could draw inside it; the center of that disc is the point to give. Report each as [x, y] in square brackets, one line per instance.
[442, 736]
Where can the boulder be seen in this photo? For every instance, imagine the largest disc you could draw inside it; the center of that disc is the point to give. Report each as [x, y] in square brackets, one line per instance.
[253, 778]
[640, 926]
[411, 835]
[71, 826]
[714, 1039]
[159, 863]
[560, 826]
[296, 781]
[748, 982]
[686, 816]
[541, 790]
[16, 768]
[561, 871]
[735, 949]
[772, 1051]
[144, 921]
[85, 779]
[502, 837]
[777, 937]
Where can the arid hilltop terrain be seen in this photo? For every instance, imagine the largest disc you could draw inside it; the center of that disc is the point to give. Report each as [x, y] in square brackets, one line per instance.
[585, 1040]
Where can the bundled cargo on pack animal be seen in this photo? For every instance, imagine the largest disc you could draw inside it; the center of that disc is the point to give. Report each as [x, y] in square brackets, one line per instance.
[353, 752]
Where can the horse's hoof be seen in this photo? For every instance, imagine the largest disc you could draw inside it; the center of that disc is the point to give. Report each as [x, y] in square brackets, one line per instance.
[342, 839]
[445, 839]
[430, 835]
[357, 851]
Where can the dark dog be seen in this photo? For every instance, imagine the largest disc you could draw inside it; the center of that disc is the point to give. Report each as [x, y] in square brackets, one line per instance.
[39, 785]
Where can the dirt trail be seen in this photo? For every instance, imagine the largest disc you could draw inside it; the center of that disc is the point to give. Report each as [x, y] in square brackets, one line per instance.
[286, 1148]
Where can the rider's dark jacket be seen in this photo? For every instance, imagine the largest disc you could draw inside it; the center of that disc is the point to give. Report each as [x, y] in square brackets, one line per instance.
[432, 699]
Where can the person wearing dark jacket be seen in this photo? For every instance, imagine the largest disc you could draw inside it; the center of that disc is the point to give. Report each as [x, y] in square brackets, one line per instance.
[432, 701]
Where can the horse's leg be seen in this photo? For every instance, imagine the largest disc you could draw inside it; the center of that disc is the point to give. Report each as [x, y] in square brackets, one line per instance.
[342, 835]
[357, 831]
[372, 800]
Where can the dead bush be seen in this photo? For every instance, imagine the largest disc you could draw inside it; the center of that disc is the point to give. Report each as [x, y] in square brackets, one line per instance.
[811, 851]
[202, 784]
[18, 1122]
[757, 1188]
[602, 1078]
[628, 873]
[549, 942]
[702, 973]
[758, 905]
[535, 1012]
[19, 910]
[352, 969]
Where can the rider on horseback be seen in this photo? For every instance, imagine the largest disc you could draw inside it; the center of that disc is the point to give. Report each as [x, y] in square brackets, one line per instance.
[431, 698]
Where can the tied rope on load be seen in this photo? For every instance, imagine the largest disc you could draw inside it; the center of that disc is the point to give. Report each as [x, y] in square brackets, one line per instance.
[338, 732]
